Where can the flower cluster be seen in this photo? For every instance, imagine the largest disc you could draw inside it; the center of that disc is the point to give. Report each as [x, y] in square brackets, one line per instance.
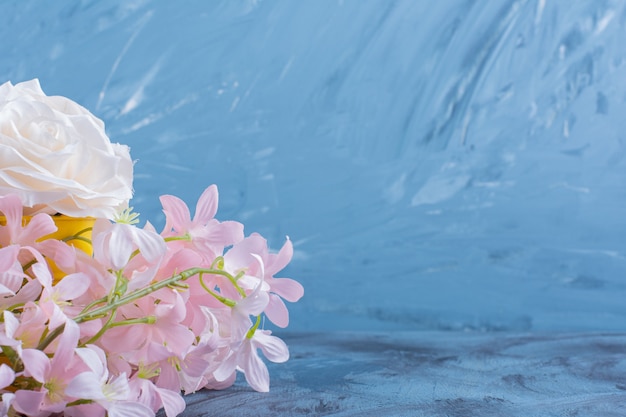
[148, 315]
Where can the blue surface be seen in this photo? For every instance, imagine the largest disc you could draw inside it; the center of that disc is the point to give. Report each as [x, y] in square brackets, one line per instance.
[449, 165]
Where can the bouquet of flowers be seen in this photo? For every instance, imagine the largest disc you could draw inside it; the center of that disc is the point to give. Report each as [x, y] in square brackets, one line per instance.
[100, 316]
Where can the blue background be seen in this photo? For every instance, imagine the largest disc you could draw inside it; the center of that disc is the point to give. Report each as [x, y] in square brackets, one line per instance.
[438, 165]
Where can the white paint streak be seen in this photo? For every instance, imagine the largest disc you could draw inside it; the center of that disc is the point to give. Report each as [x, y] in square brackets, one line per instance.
[541, 4]
[138, 95]
[438, 189]
[604, 22]
[396, 191]
[140, 25]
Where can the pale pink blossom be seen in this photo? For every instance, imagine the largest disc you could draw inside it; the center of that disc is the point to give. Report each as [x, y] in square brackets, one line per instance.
[14, 232]
[114, 243]
[30, 326]
[190, 334]
[55, 300]
[155, 397]
[111, 392]
[245, 357]
[207, 235]
[136, 340]
[54, 374]
[241, 257]
[11, 272]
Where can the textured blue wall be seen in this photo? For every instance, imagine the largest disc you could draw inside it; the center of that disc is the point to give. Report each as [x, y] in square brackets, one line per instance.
[452, 164]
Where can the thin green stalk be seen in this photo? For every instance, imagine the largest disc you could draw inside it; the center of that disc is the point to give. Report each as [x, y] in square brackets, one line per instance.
[253, 328]
[135, 295]
[83, 239]
[93, 304]
[232, 279]
[104, 328]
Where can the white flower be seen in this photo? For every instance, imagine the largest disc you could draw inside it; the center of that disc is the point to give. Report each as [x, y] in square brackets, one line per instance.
[57, 157]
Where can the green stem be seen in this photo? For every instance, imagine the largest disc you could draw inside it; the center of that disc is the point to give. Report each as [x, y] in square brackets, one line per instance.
[173, 238]
[232, 279]
[253, 328]
[75, 237]
[221, 299]
[137, 294]
[77, 234]
[93, 304]
[104, 328]
[139, 320]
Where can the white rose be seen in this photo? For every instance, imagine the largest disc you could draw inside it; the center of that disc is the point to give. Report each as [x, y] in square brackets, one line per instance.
[57, 157]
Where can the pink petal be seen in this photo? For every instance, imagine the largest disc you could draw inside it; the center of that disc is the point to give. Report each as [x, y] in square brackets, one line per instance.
[150, 244]
[72, 286]
[94, 358]
[29, 292]
[36, 364]
[239, 256]
[86, 385]
[227, 233]
[173, 403]
[177, 337]
[129, 409]
[255, 303]
[118, 388]
[281, 259]
[8, 256]
[61, 253]
[68, 342]
[28, 402]
[273, 347]
[11, 323]
[54, 312]
[168, 377]
[213, 383]
[277, 312]
[120, 245]
[194, 365]
[287, 288]
[226, 368]
[11, 208]
[7, 376]
[42, 272]
[85, 410]
[40, 225]
[177, 214]
[207, 205]
[255, 370]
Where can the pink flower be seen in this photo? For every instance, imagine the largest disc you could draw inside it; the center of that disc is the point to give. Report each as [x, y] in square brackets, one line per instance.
[145, 317]
[245, 358]
[185, 372]
[55, 300]
[13, 232]
[114, 243]
[11, 272]
[155, 397]
[135, 341]
[208, 236]
[54, 374]
[30, 326]
[240, 257]
[112, 393]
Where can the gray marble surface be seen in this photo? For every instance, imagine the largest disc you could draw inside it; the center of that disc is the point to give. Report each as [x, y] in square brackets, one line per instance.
[435, 374]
